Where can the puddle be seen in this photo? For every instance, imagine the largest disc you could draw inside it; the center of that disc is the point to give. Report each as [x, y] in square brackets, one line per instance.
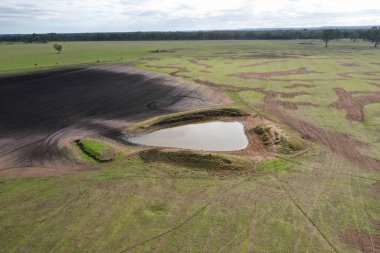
[210, 136]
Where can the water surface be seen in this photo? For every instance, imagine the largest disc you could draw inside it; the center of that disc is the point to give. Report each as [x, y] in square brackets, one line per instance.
[210, 136]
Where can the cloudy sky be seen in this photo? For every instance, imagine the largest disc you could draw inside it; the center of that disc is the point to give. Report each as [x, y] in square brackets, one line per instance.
[27, 16]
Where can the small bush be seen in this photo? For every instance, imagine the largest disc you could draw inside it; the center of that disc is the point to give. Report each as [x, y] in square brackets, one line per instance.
[58, 48]
[265, 134]
[287, 147]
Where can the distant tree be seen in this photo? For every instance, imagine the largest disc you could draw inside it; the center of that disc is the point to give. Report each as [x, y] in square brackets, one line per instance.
[338, 34]
[328, 35]
[58, 48]
[373, 35]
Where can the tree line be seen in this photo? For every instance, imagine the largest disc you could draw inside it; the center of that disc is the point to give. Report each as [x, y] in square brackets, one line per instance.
[372, 35]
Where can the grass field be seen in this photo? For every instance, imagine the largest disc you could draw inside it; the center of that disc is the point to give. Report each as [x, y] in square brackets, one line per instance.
[324, 199]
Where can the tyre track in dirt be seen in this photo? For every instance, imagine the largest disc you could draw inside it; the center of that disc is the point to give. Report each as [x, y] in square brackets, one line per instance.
[41, 112]
[297, 205]
[189, 218]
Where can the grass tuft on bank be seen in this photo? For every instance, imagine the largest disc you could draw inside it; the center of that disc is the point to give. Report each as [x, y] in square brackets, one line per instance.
[98, 151]
[206, 161]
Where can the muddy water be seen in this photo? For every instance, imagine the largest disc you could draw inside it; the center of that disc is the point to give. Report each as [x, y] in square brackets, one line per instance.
[210, 136]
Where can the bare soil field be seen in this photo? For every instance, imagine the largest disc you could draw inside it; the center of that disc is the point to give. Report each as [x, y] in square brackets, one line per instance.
[39, 112]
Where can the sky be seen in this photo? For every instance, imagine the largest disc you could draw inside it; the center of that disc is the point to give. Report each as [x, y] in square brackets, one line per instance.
[63, 16]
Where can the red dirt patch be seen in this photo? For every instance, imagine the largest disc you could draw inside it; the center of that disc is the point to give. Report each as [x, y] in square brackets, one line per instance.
[300, 85]
[273, 55]
[287, 104]
[293, 94]
[228, 52]
[345, 75]
[362, 241]
[177, 69]
[361, 74]
[256, 64]
[376, 187]
[306, 80]
[375, 84]
[265, 75]
[261, 90]
[350, 65]
[354, 105]
[294, 105]
[200, 64]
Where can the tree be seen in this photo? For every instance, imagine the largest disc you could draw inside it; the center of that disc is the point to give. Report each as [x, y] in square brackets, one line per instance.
[374, 35]
[328, 35]
[58, 48]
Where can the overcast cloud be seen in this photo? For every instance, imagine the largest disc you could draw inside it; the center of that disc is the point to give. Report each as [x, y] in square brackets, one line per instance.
[26, 16]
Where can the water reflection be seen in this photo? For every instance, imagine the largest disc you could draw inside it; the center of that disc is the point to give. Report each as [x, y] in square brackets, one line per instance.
[210, 136]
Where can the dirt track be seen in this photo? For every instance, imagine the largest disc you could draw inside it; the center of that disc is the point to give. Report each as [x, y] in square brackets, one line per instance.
[339, 143]
[40, 112]
[354, 105]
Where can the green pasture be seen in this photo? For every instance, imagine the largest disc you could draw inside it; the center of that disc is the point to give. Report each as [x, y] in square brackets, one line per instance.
[304, 203]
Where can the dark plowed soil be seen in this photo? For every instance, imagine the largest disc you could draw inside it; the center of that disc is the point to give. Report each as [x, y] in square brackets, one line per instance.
[40, 112]
[354, 105]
